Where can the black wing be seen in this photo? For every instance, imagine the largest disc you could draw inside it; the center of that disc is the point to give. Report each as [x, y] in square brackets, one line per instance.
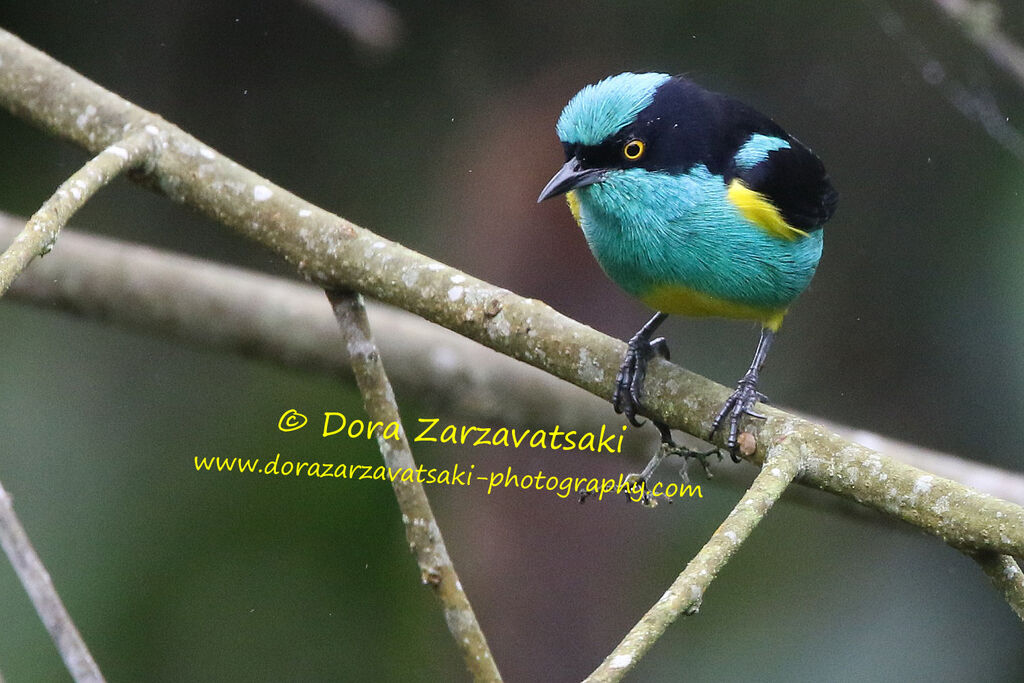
[793, 178]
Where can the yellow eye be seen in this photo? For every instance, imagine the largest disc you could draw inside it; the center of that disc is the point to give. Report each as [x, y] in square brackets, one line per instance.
[633, 150]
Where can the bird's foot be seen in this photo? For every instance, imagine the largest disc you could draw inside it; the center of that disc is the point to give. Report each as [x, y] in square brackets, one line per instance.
[739, 404]
[629, 382]
[639, 489]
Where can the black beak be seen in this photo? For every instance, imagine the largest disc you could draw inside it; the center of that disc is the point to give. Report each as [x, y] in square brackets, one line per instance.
[569, 177]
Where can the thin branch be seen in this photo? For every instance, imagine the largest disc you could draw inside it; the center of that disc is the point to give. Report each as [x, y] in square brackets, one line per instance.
[980, 23]
[1006, 576]
[687, 591]
[977, 105]
[37, 583]
[338, 254]
[218, 306]
[41, 231]
[421, 530]
[36, 240]
[214, 305]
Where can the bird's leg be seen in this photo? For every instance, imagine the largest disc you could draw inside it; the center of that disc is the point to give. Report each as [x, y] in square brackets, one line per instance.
[629, 383]
[639, 482]
[746, 395]
[629, 386]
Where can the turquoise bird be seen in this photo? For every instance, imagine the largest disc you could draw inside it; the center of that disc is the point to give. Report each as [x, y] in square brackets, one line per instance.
[696, 204]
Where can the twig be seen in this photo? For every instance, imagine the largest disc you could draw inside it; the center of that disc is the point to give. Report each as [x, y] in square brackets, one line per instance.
[36, 240]
[1006, 576]
[219, 306]
[687, 591]
[421, 530]
[975, 104]
[215, 305]
[37, 583]
[980, 23]
[41, 231]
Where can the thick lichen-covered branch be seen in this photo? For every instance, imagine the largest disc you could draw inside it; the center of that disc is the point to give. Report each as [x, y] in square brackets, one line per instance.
[421, 530]
[685, 594]
[219, 306]
[337, 254]
[48, 605]
[41, 231]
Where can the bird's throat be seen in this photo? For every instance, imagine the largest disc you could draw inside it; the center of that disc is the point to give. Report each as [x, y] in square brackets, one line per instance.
[573, 200]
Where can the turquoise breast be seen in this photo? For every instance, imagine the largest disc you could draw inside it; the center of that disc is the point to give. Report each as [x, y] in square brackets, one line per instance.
[652, 229]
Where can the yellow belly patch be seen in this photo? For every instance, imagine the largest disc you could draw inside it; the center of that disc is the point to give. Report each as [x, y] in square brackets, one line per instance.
[676, 299]
[756, 208]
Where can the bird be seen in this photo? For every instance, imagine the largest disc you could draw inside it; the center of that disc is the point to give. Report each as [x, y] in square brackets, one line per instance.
[696, 204]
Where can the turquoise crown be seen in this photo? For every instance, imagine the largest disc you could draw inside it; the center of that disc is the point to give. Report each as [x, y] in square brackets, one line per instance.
[600, 110]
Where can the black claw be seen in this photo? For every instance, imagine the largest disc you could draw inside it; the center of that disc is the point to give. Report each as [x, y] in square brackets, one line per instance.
[660, 347]
[738, 405]
[636, 382]
[741, 402]
[666, 434]
[629, 382]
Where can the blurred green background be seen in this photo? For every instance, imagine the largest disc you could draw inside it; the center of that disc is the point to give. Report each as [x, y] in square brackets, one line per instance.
[434, 126]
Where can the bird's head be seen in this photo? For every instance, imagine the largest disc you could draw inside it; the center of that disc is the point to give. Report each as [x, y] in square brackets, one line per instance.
[624, 122]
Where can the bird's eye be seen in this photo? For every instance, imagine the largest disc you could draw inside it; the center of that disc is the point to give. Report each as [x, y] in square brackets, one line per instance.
[634, 149]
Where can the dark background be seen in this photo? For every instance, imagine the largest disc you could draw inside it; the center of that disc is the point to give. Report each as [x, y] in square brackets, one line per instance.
[441, 138]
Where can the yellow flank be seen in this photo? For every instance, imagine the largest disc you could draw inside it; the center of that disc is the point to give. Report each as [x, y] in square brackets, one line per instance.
[756, 208]
[677, 299]
[574, 204]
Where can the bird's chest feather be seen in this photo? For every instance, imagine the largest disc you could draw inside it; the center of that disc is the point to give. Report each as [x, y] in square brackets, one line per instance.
[678, 242]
